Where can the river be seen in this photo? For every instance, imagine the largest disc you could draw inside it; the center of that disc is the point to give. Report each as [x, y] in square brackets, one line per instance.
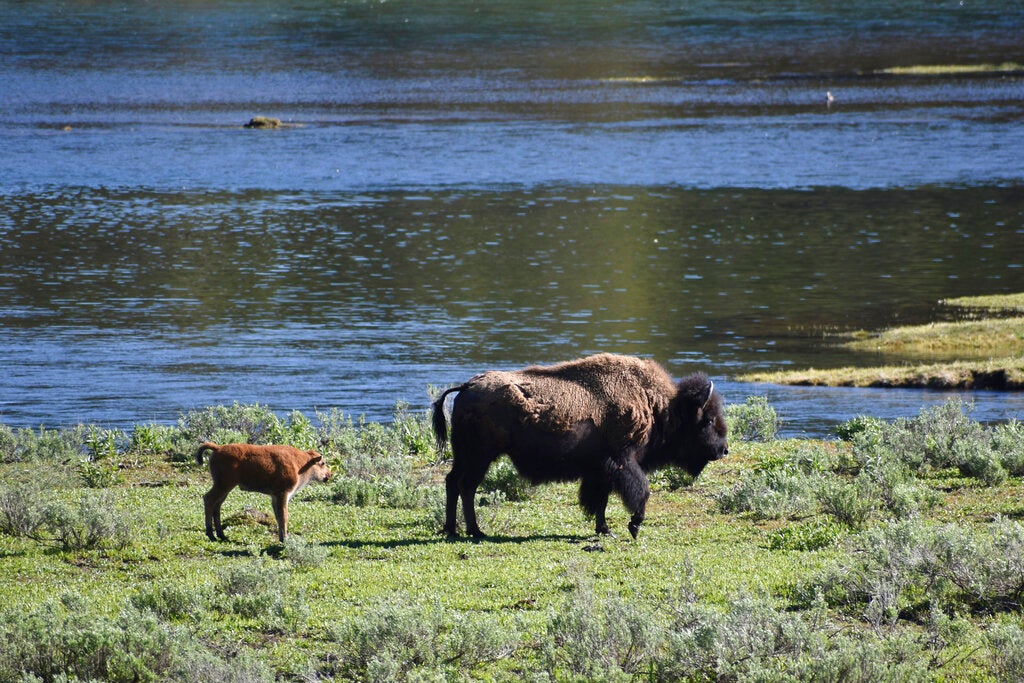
[462, 186]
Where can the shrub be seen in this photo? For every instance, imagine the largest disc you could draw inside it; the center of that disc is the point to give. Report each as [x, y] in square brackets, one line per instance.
[400, 640]
[100, 468]
[303, 554]
[1006, 651]
[597, 639]
[259, 591]
[813, 535]
[899, 569]
[171, 602]
[1008, 445]
[52, 445]
[860, 424]
[63, 639]
[754, 420]
[152, 439]
[227, 424]
[415, 431]
[503, 479]
[771, 494]
[23, 510]
[94, 522]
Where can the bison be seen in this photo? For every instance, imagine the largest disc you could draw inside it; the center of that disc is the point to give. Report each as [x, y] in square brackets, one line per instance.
[605, 420]
[277, 471]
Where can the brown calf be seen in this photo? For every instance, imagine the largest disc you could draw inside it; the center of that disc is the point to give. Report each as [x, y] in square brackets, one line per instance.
[277, 471]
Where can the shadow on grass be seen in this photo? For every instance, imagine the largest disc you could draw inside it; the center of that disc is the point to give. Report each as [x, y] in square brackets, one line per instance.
[441, 539]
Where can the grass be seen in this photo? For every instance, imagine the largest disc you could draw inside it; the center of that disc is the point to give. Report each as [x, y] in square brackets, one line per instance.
[952, 69]
[997, 303]
[1004, 374]
[983, 353]
[720, 585]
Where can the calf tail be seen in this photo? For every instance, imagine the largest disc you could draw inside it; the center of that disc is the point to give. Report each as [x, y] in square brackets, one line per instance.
[440, 423]
[207, 446]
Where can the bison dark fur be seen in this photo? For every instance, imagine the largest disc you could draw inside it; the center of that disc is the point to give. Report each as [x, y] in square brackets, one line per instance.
[604, 421]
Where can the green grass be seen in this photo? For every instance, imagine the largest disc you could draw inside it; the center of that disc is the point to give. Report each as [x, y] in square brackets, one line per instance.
[982, 353]
[374, 592]
[1000, 303]
[952, 69]
[1005, 374]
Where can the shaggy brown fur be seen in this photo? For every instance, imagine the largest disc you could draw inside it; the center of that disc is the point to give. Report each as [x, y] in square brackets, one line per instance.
[277, 471]
[603, 420]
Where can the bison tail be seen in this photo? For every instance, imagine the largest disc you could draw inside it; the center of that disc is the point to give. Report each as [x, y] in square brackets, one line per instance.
[440, 423]
[207, 446]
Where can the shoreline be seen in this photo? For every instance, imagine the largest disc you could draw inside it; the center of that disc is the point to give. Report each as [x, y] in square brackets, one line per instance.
[1001, 338]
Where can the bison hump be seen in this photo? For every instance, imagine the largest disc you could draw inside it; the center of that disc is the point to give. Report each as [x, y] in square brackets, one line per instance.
[622, 412]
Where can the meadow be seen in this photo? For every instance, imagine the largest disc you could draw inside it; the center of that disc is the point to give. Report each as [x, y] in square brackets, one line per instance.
[892, 552]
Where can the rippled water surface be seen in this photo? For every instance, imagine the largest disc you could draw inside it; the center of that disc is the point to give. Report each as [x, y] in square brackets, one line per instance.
[462, 186]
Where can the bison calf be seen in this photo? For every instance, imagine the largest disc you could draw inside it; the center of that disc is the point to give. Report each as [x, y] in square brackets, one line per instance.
[277, 471]
[604, 421]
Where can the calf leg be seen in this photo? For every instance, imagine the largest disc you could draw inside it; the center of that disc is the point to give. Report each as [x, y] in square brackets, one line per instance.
[280, 501]
[212, 501]
[630, 483]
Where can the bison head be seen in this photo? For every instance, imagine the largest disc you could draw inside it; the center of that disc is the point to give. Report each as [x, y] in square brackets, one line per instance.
[699, 431]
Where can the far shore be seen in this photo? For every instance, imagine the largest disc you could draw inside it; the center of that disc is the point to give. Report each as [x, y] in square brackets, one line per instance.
[987, 346]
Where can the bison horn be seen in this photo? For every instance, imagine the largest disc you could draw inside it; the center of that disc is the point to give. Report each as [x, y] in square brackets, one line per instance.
[711, 390]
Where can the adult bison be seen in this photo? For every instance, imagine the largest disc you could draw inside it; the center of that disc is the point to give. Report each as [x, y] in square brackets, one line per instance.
[604, 420]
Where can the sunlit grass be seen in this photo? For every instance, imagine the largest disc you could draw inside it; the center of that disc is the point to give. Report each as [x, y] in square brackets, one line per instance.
[1000, 373]
[984, 353]
[371, 591]
[994, 302]
[951, 69]
[997, 337]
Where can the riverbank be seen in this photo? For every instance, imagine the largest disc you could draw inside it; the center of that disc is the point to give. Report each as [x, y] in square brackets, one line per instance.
[985, 351]
[792, 556]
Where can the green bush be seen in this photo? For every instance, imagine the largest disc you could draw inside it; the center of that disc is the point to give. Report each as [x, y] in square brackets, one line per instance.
[598, 639]
[754, 420]
[399, 639]
[1008, 445]
[152, 439]
[63, 639]
[94, 522]
[503, 483]
[23, 510]
[259, 591]
[776, 493]
[1006, 651]
[229, 424]
[813, 535]
[899, 569]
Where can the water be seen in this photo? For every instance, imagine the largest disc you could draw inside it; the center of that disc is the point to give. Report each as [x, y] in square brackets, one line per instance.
[465, 186]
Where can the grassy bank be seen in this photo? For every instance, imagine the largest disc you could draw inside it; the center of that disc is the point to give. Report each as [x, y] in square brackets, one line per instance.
[893, 554]
[983, 352]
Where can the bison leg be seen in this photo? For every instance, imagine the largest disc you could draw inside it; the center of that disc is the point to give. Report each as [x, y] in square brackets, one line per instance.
[212, 501]
[630, 483]
[461, 483]
[594, 500]
[470, 481]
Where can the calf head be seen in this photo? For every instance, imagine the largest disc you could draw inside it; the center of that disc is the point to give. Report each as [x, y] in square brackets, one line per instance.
[315, 469]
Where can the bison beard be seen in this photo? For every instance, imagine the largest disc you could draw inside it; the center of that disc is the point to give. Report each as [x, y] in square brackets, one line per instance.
[605, 421]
